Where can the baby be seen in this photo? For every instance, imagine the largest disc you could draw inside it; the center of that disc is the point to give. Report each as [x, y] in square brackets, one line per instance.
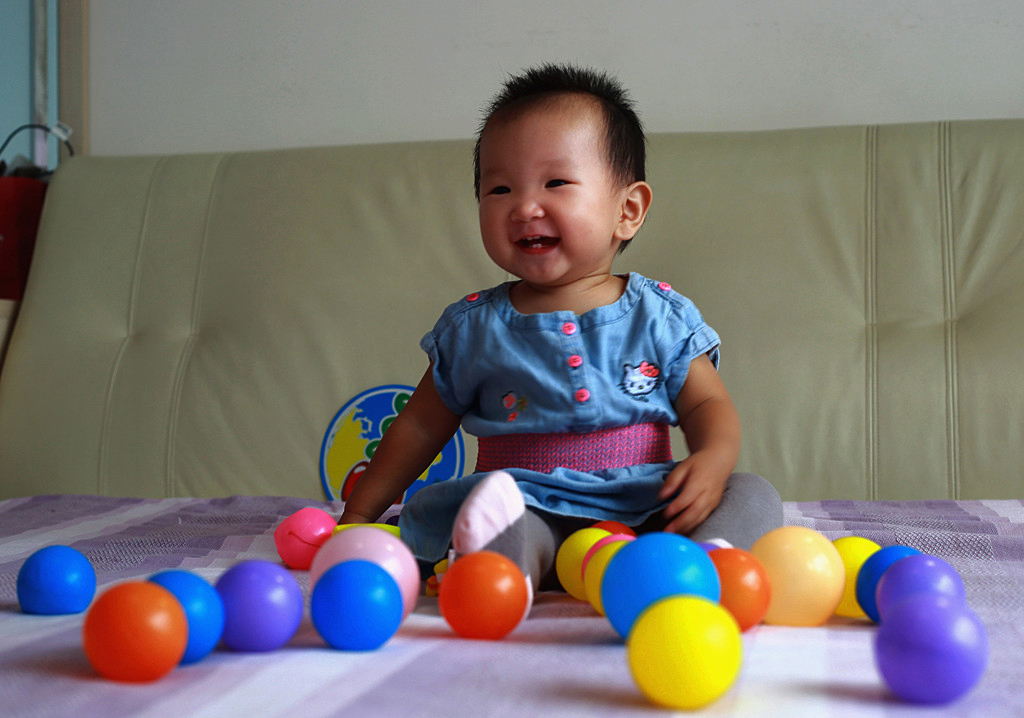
[571, 376]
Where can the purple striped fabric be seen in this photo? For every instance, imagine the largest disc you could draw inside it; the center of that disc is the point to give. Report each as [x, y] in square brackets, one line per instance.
[564, 659]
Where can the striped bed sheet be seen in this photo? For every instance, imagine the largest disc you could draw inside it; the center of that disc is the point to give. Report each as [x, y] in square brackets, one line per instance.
[563, 660]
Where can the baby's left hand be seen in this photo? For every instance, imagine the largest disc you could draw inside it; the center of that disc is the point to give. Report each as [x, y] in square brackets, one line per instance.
[697, 484]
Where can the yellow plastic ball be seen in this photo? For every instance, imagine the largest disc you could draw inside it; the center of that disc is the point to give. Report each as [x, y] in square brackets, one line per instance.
[854, 551]
[594, 573]
[807, 575]
[685, 652]
[393, 530]
[569, 559]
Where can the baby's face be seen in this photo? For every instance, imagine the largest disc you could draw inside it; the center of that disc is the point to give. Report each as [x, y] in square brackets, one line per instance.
[550, 207]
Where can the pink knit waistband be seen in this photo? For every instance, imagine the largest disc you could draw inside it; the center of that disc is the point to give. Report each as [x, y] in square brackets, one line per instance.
[591, 451]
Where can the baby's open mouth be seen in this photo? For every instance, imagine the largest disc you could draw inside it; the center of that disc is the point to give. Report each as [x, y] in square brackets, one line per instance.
[537, 242]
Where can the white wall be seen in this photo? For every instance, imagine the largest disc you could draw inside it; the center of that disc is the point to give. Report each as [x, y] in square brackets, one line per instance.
[197, 75]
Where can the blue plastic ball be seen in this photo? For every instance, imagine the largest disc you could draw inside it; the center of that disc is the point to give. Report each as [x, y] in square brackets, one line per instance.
[262, 606]
[56, 580]
[931, 649]
[652, 567]
[915, 575]
[871, 572]
[204, 610]
[356, 606]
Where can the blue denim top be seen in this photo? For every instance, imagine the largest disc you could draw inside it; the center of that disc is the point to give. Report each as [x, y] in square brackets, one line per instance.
[618, 364]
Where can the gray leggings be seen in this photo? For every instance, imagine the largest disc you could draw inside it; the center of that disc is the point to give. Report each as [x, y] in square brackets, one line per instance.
[750, 508]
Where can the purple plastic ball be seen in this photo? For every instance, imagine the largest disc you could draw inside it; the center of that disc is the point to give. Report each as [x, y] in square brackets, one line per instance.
[931, 649]
[262, 606]
[915, 575]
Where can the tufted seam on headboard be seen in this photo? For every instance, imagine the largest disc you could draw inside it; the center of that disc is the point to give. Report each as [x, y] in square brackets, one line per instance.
[949, 309]
[189, 345]
[871, 306]
[115, 368]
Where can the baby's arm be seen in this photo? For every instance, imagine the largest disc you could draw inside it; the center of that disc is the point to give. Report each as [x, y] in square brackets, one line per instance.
[711, 424]
[414, 439]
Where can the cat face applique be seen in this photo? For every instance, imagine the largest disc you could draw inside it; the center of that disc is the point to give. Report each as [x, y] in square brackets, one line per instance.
[640, 380]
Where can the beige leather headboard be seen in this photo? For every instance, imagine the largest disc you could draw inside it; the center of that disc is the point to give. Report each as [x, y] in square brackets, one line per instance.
[192, 323]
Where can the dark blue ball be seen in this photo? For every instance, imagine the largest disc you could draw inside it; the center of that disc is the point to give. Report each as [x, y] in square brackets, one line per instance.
[203, 607]
[356, 606]
[56, 580]
[871, 572]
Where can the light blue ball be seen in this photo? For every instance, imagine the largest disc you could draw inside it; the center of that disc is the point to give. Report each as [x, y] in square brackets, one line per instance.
[652, 567]
[203, 607]
[56, 580]
[356, 606]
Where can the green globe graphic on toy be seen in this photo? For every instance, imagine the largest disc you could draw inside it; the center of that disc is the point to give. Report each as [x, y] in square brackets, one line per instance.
[356, 430]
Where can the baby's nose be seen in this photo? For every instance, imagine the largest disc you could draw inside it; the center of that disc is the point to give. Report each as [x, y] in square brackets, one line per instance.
[526, 210]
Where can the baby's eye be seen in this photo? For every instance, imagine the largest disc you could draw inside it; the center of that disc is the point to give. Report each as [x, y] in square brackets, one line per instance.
[500, 189]
[556, 183]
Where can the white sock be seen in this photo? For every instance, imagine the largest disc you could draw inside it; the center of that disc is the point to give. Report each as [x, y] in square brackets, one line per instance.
[491, 518]
[490, 509]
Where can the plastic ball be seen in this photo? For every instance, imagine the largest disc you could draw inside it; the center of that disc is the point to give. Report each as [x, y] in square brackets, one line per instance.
[370, 543]
[484, 595]
[356, 606]
[931, 649]
[593, 572]
[615, 527]
[390, 528]
[915, 575]
[203, 608]
[301, 535]
[135, 632]
[685, 652]
[569, 559]
[262, 606]
[746, 588]
[871, 572]
[652, 567]
[806, 573]
[854, 551]
[611, 538]
[56, 580]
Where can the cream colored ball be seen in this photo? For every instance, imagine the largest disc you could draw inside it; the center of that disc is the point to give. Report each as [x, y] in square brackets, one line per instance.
[807, 575]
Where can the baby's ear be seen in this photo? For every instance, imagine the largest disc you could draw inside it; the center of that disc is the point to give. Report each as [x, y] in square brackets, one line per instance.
[636, 202]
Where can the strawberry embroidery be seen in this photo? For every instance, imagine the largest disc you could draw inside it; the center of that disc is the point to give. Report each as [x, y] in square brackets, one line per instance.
[513, 405]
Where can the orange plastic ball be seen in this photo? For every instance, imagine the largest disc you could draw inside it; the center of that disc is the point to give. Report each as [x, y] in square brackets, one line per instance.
[135, 632]
[806, 573]
[484, 595]
[746, 588]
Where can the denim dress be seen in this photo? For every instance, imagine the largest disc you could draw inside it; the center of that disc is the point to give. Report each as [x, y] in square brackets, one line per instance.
[512, 375]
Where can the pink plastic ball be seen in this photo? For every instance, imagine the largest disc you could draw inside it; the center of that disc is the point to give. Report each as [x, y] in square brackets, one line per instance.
[377, 546]
[301, 535]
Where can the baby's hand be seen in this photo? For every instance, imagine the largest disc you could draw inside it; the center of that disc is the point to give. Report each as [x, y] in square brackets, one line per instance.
[697, 484]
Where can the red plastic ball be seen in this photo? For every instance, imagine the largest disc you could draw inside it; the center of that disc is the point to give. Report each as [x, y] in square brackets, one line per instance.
[484, 595]
[301, 535]
[746, 588]
[135, 632]
[615, 527]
